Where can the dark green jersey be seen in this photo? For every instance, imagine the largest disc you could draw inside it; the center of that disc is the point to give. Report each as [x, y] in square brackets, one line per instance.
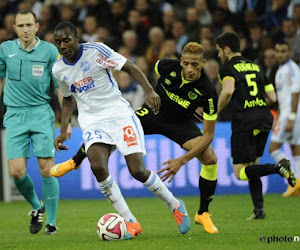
[248, 103]
[180, 98]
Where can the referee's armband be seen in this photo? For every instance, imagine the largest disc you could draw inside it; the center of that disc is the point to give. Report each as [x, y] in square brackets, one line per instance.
[208, 117]
[269, 87]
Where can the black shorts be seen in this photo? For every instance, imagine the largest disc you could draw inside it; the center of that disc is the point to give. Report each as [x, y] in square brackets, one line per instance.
[178, 131]
[246, 146]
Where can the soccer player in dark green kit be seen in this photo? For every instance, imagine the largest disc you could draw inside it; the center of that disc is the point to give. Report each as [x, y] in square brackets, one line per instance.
[26, 65]
[245, 87]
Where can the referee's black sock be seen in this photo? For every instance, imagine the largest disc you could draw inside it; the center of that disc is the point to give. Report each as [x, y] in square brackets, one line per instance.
[79, 157]
[255, 186]
[207, 190]
[260, 170]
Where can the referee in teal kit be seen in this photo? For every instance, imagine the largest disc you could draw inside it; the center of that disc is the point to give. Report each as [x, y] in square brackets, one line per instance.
[26, 64]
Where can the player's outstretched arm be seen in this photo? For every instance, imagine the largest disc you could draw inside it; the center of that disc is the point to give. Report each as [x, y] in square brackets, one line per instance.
[68, 107]
[152, 98]
[173, 165]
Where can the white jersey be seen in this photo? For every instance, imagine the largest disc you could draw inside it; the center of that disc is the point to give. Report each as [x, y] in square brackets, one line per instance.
[89, 79]
[287, 81]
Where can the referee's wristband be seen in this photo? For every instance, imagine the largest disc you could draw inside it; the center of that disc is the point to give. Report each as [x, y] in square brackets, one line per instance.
[292, 116]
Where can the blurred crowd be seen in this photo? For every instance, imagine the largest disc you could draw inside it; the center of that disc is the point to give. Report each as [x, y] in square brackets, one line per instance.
[147, 30]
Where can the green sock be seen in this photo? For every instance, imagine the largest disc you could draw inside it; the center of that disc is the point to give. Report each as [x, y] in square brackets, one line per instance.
[51, 197]
[26, 188]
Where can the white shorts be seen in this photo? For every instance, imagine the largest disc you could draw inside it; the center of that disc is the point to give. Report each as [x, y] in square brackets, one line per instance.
[126, 134]
[280, 135]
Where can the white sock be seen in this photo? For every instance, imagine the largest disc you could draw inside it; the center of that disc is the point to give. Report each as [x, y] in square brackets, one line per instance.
[112, 192]
[157, 187]
[297, 166]
[278, 155]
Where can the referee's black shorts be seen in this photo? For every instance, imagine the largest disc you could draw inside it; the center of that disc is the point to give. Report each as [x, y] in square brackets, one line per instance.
[246, 146]
[178, 131]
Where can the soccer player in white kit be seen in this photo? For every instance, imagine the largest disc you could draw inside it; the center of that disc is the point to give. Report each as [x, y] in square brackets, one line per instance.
[107, 120]
[287, 126]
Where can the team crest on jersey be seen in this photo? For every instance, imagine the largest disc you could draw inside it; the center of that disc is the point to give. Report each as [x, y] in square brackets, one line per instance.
[192, 95]
[37, 71]
[85, 66]
[173, 74]
[129, 136]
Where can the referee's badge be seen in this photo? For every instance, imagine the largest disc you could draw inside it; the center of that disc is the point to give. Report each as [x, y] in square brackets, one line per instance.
[37, 71]
[192, 95]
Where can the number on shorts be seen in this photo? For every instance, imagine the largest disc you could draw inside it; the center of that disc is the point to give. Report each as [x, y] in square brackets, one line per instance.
[91, 135]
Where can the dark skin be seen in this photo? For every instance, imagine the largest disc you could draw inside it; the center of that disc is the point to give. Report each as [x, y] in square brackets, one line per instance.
[98, 153]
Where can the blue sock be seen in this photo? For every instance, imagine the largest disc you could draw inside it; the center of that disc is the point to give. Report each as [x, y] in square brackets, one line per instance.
[51, 197]
[26, 188]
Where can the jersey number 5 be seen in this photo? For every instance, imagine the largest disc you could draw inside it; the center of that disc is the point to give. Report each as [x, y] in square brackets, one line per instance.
[251, 83]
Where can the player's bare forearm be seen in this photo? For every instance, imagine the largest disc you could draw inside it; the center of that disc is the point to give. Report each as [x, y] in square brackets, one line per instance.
[152, 98]
[226, 93]
[68, 107]
[173, 165]
[224, 99]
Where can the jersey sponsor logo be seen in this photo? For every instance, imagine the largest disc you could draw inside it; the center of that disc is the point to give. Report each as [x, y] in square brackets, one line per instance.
[192, 95]
[243, 66]
[167, 81]
[110, 64]
[129, 136]
[85, 66]
[37, 71]
[254, 103]
[176, 98]
[173, 74]
[11, 55]
[83, 85]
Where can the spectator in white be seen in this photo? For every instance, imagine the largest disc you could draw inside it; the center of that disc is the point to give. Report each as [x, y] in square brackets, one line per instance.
[290, 35]
[203, 12]
[90, 29]
[286, 128]
[130, 90]
[181, 38]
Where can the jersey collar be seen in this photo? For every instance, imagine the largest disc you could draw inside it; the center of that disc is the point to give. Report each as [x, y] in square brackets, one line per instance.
[34, 47]
[77, 59]
[183, 81]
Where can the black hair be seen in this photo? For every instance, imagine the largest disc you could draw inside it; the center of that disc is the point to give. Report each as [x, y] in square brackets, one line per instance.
[25, 12]
[282, 42]
[66, 25]
[229, 39]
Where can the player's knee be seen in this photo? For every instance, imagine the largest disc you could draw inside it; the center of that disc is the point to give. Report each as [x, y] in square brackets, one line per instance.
[237, 172]
[139, 172]
[99, 169]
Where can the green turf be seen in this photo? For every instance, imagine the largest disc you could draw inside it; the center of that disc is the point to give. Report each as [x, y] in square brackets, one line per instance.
[77, 225]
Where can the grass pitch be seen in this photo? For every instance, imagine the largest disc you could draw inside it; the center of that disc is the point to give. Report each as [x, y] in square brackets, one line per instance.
[77, 221]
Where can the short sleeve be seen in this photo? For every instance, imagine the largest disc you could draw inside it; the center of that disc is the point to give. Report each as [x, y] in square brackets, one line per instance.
[54, 56]
[294, 78]
[2, 63]
[225, 72]
[109, 59]
[63, 86]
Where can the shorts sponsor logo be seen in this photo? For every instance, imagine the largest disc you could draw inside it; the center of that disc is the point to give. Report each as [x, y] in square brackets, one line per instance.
[37, 71]
[129, 136]
[83, 85]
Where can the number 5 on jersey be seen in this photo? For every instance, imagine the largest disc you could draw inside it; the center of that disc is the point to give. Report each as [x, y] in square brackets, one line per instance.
[251, 83]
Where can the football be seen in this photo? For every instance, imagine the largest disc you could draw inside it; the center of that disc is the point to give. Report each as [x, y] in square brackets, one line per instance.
[111, 227]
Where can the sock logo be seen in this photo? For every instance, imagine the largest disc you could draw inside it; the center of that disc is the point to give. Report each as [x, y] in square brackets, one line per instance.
[129, 136]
